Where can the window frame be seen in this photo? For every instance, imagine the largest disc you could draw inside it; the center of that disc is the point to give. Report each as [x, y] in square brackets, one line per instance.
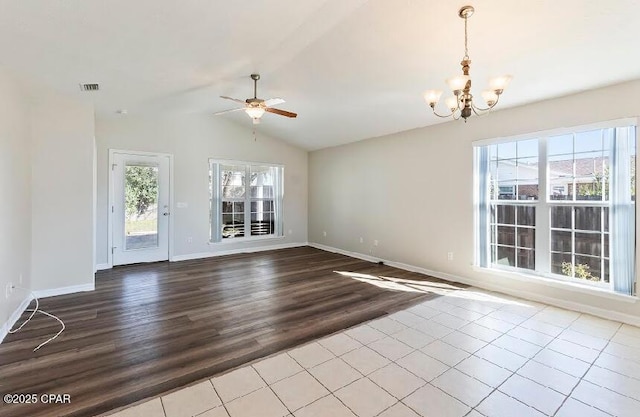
[247, 200]
[544, 204]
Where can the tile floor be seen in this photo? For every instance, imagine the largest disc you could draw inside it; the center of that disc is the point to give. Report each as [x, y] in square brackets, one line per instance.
[470, 353]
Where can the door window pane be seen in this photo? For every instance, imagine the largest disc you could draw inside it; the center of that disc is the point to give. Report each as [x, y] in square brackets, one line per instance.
[141, 206]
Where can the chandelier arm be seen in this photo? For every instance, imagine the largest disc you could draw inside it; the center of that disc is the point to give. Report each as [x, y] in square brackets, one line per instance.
[443, 116]
[484, 109]
[478, 112]
[477, 109]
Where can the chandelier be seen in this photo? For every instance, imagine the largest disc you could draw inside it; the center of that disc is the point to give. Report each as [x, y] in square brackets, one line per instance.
[461, 104]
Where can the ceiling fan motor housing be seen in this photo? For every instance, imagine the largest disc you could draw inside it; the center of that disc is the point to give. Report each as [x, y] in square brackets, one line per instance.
[254, 101]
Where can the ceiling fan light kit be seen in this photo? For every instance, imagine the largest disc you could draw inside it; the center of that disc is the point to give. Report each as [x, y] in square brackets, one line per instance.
[461, 104]
[256, 107]
[255, 112]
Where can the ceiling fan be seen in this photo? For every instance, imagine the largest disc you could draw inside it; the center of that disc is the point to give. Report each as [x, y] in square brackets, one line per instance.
[256, 107]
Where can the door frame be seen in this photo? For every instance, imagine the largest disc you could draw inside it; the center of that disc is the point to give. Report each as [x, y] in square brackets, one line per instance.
[110, 205]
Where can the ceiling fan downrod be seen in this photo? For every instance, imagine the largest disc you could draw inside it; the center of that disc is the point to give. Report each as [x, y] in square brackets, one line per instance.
[255, 78]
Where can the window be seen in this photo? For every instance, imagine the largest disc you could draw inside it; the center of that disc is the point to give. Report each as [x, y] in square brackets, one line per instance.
[560, 205]
[246, 200]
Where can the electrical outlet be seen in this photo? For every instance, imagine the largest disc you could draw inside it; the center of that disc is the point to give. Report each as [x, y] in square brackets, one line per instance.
[324, 233]
[361, 240]
[8, 290]
[375, 243]
[290, 231]
[189, 239]
[450, 256]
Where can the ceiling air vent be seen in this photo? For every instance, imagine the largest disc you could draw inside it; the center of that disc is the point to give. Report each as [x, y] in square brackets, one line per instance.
[90, 87]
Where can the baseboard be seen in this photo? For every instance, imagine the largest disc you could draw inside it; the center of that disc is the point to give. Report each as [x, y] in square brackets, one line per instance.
[64, 290]
[558, 302]
[4, 330]
[203, 255]
[102, 267]
[347, 253]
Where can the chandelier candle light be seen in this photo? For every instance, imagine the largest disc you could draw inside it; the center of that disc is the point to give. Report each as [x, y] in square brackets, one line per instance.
[461, 104]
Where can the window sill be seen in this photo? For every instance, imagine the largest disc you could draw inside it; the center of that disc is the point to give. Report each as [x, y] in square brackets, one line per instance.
[241, 240]
[556, 283]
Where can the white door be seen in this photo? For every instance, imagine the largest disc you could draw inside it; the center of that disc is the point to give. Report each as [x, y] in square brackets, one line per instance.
[140, 208]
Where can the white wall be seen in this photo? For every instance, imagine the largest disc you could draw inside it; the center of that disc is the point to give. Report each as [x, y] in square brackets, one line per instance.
[413, 191]
[193, 139]
[62, 131]
[46, 215]
[15, 210]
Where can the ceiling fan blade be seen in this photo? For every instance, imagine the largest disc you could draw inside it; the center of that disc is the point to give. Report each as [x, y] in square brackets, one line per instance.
[273, 102]
[227, 111]
[281, 112]
[233, 99]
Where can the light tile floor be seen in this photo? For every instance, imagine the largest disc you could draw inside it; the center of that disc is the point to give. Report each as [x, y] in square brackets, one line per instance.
[469, 353]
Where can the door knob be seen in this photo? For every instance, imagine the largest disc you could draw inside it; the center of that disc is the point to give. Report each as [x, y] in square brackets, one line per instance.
[166, 214]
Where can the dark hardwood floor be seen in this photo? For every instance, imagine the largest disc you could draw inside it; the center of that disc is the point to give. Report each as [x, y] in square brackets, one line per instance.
[149, 329]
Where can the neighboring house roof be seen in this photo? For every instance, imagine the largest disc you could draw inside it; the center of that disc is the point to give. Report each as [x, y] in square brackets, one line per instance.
[585, 167]
[585, 170]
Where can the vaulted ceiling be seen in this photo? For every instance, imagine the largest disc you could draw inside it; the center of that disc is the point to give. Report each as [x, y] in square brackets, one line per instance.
[352, 69]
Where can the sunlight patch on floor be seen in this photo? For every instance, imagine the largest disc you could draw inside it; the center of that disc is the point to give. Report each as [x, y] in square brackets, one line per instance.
[402, 284]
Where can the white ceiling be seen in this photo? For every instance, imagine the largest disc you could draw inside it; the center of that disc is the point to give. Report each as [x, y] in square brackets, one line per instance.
[352, 69]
